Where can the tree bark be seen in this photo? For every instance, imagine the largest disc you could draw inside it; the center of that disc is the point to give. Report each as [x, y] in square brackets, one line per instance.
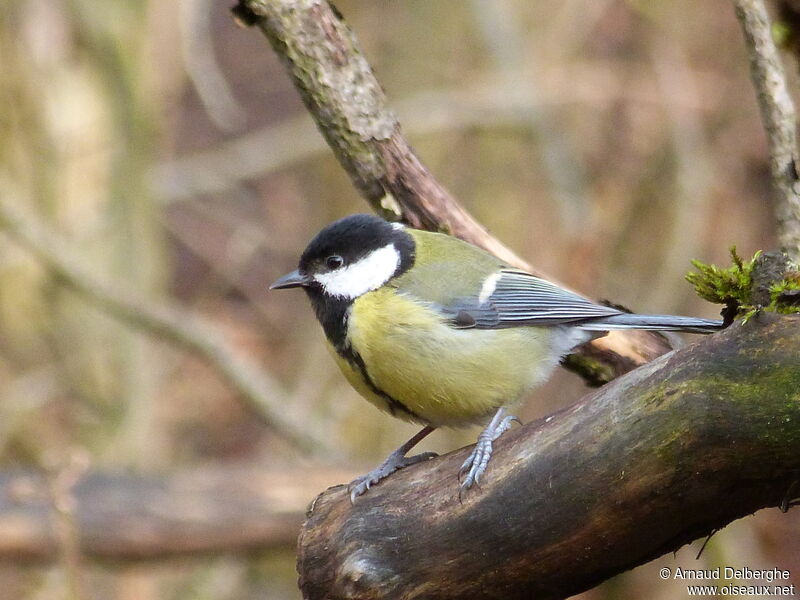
[666, 454]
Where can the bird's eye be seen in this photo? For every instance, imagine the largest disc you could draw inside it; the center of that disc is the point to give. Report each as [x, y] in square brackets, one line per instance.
[334, 262]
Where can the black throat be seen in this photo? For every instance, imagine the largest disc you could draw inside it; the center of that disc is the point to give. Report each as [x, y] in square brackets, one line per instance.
[332, 313]
[363, 233]
[351, 238]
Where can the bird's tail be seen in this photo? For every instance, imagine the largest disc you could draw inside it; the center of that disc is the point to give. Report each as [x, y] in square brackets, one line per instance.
[653, 322]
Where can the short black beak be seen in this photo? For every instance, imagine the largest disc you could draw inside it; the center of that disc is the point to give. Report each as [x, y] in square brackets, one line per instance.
[290, 280]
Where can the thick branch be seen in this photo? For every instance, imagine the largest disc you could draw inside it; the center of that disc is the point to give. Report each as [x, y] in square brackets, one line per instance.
[656, 459]
[778, 116]
[339, 89]
[126, 517]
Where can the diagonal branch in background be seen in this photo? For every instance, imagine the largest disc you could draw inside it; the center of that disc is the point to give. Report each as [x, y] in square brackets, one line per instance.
[339, 89]
[779, 119]
[167, 321]
[654, 460]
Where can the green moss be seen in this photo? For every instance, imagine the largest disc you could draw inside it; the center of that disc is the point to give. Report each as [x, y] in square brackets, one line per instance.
[445, 229]
[727, 398]
[733, 287]
[785, 294]
[724, 285]
[594, 372]
[782, 34]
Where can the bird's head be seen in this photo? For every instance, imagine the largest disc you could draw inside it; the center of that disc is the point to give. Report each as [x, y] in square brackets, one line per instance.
[350, 257]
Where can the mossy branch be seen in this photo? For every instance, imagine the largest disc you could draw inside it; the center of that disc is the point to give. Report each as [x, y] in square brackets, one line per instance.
[658, 458]
[768, 282]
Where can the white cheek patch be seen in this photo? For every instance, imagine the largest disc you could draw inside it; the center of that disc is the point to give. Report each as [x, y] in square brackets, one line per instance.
[368, 274]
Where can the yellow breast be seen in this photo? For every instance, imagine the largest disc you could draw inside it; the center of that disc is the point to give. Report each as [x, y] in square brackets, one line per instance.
[442, 375]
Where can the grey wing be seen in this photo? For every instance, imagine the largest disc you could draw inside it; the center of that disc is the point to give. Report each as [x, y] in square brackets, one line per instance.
[521, 299]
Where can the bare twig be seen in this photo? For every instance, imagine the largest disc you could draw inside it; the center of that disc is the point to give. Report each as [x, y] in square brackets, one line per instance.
[202, 67]
[62, 480]
[168, 321]
[778, 116]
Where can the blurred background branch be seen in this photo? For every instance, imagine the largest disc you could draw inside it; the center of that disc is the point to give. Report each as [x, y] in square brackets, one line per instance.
[519, 74]
[209, 81]
[779, 118]
[262, 394]
[124, 517]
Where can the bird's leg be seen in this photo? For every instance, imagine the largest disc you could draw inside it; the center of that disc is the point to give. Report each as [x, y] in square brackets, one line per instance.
[396, 460]
[478, 459]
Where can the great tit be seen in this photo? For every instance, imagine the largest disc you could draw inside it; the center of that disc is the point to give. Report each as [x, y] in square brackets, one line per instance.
[437, 331]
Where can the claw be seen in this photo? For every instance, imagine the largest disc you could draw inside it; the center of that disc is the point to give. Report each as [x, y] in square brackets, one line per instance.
[395, 461]
[505, 425]
[477, 461]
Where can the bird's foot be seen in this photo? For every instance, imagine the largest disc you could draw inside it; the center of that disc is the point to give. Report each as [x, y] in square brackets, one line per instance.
[478, 459]
[397, 460]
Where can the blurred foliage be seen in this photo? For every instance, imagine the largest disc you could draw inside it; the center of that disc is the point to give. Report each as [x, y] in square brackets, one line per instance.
[608, 141]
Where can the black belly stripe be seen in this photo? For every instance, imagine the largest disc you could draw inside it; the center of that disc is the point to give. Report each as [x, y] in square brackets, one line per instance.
[393, 404]
[333, 313]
